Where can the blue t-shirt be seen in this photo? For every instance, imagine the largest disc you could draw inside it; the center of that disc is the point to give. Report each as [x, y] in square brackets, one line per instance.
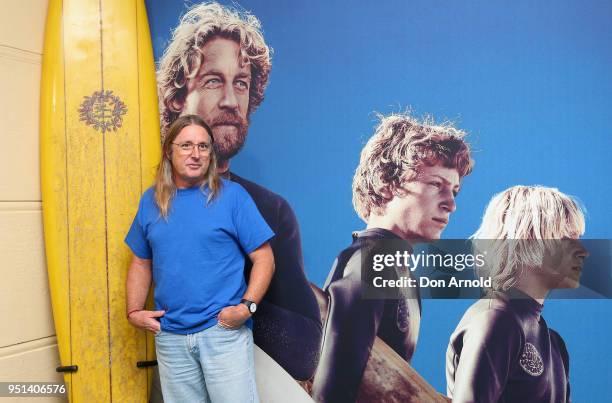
[198, 252]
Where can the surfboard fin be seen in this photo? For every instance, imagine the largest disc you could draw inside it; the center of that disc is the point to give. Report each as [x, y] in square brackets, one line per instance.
[145, 364]
[68, 368]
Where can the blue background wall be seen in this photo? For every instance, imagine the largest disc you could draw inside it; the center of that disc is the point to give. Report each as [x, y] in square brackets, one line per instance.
[529, 80]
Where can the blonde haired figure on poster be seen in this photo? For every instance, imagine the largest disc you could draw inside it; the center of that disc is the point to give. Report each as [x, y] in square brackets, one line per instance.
[502, 350]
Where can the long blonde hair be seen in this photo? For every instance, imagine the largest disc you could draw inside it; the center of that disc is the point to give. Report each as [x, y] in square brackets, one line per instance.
[519, 225]
[165, 188]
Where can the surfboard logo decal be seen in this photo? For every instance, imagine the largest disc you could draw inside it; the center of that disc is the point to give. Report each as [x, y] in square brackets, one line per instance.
[531, 361]
[103, 110]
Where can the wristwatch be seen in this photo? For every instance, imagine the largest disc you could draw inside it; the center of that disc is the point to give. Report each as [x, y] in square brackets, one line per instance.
[249, 304]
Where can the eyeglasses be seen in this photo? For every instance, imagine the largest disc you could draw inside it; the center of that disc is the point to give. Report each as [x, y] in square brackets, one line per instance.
[187, 148]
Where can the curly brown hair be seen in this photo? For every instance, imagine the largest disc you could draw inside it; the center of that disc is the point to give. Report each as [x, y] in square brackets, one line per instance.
[401, 145]
[182, 59]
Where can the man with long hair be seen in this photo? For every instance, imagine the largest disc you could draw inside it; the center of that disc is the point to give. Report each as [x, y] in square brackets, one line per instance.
[502, 350]
[217, 67]
[404, 188]
[188, 236]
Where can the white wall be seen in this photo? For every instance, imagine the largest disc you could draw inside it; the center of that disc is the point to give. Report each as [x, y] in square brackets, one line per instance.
[28, 348]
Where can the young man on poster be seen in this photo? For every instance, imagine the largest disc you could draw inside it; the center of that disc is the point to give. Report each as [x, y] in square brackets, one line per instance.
[189, 236]
[217, 67]
[404, 189]
[502, 350]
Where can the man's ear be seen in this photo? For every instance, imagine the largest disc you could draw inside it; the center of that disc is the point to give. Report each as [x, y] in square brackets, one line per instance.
[386, 193]
[176, 105]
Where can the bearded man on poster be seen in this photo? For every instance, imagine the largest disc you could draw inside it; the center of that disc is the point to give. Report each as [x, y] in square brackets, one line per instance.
[217, 66]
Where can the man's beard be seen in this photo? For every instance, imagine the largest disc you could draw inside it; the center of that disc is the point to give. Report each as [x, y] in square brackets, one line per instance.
[228, 142]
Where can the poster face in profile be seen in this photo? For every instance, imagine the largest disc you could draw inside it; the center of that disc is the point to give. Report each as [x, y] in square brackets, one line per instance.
[528, 83]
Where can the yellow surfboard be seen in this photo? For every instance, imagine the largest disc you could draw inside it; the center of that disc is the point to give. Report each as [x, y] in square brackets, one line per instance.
[99, 128]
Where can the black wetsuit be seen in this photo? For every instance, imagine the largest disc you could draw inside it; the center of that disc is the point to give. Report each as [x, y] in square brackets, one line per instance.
[287, 324]
[503, 351]
[354, 322]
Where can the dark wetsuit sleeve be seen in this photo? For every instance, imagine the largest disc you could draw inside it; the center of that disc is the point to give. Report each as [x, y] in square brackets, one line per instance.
[350, 330]
[287, 324]
[558, 340]
[291, 339]
[489, 348]
[297, 293]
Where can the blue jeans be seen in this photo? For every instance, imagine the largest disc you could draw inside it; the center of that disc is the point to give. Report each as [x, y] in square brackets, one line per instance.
[214, 365]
